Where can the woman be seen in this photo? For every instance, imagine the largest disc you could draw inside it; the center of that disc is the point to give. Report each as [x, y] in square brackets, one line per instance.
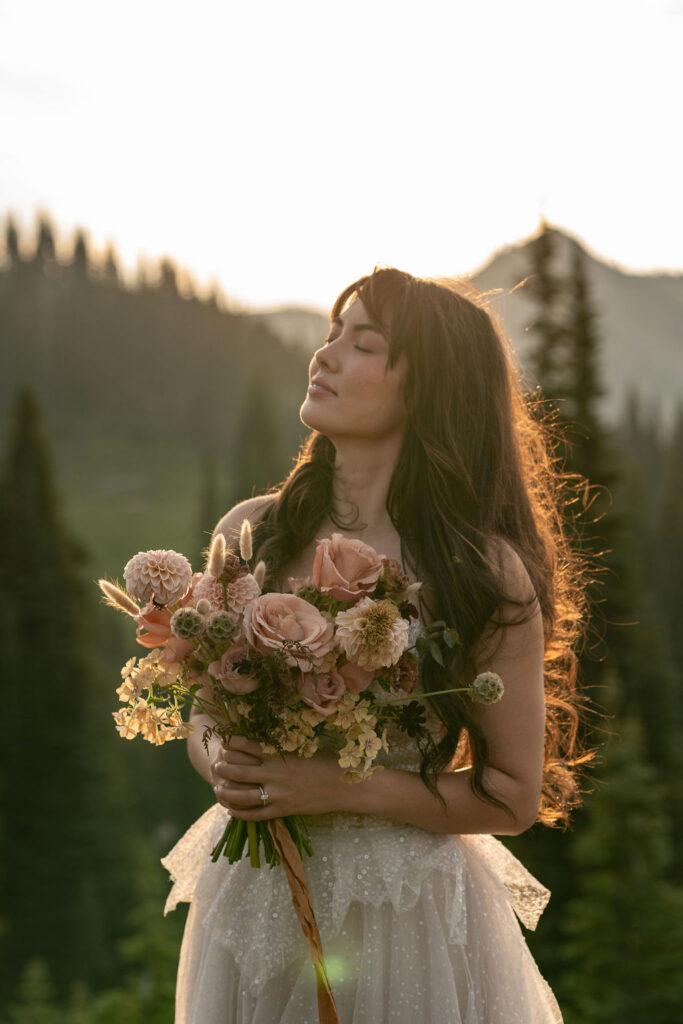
[422, 446]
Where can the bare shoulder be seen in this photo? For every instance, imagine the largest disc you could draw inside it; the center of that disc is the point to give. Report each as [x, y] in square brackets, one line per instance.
[509, 569]
[252, 509]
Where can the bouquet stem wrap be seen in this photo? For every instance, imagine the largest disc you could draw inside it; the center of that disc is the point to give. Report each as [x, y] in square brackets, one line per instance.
[301, 899]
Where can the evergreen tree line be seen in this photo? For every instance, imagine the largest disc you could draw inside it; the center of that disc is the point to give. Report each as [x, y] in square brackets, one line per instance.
[148, 364]
[611, 940]
[83, 818]
[83, 821]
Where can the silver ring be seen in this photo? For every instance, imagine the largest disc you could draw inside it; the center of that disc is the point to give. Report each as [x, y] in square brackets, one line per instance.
[264, 796]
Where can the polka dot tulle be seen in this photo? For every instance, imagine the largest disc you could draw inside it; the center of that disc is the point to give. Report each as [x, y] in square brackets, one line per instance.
[416, 927]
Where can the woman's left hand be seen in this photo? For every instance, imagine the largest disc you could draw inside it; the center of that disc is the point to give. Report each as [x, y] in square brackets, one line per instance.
[295, 785]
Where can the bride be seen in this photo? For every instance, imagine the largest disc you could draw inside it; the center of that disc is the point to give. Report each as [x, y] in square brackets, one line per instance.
[423, 447]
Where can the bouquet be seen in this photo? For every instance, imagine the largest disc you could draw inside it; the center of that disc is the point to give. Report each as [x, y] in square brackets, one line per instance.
[330, 664]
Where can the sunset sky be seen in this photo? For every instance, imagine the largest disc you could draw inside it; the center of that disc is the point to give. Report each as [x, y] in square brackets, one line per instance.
[283, 149]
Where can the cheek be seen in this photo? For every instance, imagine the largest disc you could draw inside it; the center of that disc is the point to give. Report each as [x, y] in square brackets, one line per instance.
[383, 395]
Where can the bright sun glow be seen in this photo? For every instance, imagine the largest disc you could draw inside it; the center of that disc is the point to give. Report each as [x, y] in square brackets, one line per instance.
[285, 149]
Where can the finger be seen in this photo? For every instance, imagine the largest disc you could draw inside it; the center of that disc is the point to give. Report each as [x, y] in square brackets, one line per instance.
[239, 757]
[227, 771]
[243, 798]
[246, 745]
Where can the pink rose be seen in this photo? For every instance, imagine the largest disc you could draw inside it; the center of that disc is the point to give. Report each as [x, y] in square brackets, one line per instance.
[356, 679]
[295, 582]
[321, 692]
[345, 568]
[271, 619]
[224, 671]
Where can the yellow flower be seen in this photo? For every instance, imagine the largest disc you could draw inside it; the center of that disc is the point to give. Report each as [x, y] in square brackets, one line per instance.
[129, 691]
[126, 726]
[309, 748]
[127, 668]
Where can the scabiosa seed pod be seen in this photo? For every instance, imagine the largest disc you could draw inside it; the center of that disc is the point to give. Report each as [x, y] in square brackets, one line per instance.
[187, 624]
[220, 627]
[487, 688]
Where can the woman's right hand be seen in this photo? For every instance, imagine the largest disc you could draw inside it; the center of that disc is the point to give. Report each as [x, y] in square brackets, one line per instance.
[220, 771]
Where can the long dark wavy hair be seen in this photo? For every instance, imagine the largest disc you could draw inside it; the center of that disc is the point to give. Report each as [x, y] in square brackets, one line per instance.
[476, 465]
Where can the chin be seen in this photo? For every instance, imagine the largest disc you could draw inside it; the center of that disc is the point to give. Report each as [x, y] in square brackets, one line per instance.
[310, 416]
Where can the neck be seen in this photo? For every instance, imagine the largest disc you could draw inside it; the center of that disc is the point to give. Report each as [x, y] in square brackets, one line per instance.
[362, 473]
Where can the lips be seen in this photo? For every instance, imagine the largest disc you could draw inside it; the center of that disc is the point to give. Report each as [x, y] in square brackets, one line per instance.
[320, 383]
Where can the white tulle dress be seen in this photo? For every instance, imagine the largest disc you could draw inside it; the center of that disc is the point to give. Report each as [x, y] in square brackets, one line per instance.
[417, 928]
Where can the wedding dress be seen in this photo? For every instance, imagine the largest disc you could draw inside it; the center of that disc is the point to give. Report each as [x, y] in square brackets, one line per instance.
[417, 927]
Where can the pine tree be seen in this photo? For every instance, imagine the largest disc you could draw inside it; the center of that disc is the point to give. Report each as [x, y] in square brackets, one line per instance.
[584, 388]
[45, 255]
[669, 518]
[51, 903]
[12, 243]
[624, 634]
[110, 271]
[168, 278]
[546, 290]
[80, 260]
[36, 999]
[624, 928]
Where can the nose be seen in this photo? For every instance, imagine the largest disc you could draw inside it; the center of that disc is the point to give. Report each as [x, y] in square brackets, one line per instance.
[325, 358]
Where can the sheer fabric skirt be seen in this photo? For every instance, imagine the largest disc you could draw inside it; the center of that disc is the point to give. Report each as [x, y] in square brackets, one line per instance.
[416, 927]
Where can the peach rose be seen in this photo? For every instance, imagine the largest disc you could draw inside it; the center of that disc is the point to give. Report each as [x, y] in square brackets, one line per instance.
[271, 619]
[154, 624]
[346, 569]
[224, 671]
[321, 692]
[176, 649]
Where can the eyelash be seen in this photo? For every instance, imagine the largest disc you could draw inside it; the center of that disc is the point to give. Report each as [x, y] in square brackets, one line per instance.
[326, 341]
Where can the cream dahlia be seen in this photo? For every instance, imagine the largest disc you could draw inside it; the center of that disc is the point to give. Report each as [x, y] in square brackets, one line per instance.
[162, 575]
[372, 634]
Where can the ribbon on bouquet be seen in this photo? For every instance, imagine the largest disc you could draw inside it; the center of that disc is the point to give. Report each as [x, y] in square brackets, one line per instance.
[301, 899]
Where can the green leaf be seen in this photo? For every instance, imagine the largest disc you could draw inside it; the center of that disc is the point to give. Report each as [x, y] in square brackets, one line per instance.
[435, 652]
[422, 645]
[452, 637]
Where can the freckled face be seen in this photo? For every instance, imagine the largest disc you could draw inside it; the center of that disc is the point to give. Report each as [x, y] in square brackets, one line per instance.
[353, 392]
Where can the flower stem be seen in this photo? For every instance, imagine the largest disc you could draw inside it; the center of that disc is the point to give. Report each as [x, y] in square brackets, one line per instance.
[252, 833]
[422, 696]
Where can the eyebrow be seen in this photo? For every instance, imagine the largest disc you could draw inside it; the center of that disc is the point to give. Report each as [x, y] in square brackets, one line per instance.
[360, 327]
